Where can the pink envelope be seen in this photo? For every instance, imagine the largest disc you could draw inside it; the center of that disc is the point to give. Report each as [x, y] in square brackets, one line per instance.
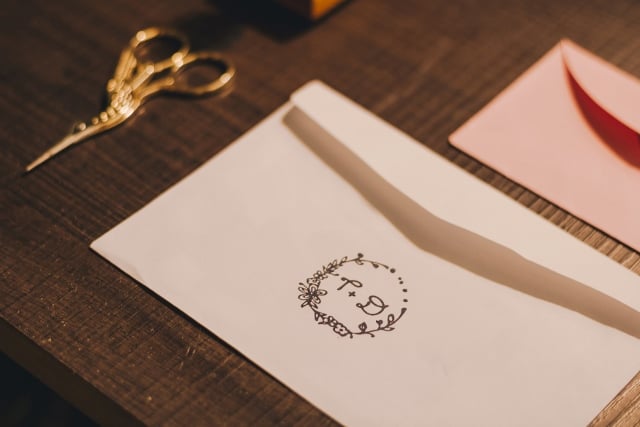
[567, 129]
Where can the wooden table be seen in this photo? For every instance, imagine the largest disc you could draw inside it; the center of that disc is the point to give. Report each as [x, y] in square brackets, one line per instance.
[101, 340]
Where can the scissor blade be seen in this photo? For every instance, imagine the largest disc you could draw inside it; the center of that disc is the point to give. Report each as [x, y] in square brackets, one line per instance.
[37, 162]
[65, 143]
[74, 138]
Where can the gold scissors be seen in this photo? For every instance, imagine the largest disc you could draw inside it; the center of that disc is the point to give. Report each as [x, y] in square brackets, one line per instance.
[135, 80]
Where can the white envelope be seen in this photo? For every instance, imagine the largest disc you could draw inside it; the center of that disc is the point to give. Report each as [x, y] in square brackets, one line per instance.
[382, 283]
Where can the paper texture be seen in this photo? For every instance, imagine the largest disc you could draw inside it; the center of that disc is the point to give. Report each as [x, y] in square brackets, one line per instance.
[381, 283]
[568, 130]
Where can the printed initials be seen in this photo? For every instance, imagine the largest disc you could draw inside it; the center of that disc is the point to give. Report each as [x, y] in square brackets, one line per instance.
[354, 283]
[378, 306]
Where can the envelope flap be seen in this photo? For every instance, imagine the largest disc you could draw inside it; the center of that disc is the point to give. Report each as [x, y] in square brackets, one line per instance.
[613, 90]
[472, 204]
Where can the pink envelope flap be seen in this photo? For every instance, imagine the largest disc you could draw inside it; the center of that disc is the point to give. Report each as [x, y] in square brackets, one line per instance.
[568, 130]
[615, 90]
[608, 98]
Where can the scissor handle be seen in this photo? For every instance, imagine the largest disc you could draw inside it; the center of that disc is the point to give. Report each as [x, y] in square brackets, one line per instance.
[171, 83]
[151, 33]
[129, 64]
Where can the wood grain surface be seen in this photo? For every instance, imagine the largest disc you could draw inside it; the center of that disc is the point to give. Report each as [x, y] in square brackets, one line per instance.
[117, 351]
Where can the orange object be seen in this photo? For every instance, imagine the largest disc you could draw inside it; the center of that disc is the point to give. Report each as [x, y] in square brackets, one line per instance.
[313, 9]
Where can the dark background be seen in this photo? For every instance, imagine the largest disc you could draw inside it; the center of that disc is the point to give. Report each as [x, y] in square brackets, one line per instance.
[98, 338]
[25, 401]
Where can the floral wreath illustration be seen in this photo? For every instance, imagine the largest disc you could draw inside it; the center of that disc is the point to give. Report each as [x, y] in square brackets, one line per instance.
[311, 291]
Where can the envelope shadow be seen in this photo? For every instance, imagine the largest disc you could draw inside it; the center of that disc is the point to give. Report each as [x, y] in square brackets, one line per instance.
[457, 245]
